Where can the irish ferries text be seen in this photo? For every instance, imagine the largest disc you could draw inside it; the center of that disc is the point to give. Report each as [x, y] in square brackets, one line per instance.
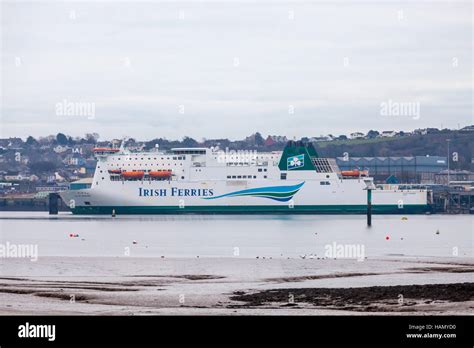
[174, 192]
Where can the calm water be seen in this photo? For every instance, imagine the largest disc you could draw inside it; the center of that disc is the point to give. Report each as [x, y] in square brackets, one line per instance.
[245, 235]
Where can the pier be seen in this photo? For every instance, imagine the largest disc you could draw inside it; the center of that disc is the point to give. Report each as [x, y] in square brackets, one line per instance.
[453, 201]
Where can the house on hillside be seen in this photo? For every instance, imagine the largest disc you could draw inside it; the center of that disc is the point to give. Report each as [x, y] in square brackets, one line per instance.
[60, 148]
[321, 138]
[420, 131]
[357, 135]
[467, 129]
[388, 134]
[275, 139]
[19, 176]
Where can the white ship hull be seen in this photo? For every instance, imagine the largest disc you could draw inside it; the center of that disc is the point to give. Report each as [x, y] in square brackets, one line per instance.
[169, 197]
[202, 183]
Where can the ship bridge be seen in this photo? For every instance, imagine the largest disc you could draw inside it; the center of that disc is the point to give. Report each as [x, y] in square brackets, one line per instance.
[189, 150]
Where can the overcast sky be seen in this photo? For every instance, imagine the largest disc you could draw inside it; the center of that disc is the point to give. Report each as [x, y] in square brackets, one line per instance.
[209, 69]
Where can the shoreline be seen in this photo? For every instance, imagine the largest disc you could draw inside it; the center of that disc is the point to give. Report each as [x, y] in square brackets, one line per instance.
[242, 286]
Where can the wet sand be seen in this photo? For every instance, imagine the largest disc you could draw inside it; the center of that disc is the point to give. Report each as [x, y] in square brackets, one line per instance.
[224, 286]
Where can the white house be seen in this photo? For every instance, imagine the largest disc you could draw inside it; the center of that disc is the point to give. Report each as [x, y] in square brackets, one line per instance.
[60, 149]
[357, 135]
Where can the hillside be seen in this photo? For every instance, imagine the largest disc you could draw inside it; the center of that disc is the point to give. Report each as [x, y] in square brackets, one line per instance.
[415, 145]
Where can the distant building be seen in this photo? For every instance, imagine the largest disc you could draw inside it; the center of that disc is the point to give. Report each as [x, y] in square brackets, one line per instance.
[388, 134]
[321, 138]
[12, 143]
[17, 176]
[274, 139]
[357, 135]
[454, 175]
[467, 129]
[116, 142]
[60, 148]
[420, 131]
[411, 169]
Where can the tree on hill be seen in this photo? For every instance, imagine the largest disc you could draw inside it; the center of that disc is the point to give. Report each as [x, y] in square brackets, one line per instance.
[372, 134]
[259, 139]
[30, 141]
[189, 142]
[61, 139]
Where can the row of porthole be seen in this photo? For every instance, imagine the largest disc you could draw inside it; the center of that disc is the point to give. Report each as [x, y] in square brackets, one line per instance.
[149, 158]
[243, 177]
[121, 165]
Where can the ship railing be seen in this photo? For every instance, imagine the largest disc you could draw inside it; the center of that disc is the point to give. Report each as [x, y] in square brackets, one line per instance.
[402, 187]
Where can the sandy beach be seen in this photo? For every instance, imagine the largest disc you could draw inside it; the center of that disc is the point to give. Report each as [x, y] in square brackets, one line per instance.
[224, 286]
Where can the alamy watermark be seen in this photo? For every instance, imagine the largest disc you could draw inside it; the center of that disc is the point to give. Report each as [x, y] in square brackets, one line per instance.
[236, 156]
[406, 109]
[79, 109]
[345, 251]
[11, 250]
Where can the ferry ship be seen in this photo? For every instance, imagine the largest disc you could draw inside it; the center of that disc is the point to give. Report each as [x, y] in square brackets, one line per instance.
[210, 180]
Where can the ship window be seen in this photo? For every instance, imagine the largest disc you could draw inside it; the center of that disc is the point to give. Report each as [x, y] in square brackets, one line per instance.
[264, 176]
[259, 169]
[182, 177]
[265, 170]
[239, 176]
[228, 176]
[255, 177]
[87, 203]
[283, 176]
[233, 176]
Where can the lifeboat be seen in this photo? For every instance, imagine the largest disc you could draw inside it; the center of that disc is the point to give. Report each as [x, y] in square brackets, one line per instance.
[165, 174]
[133, 175]
[354, 173]
[115, 171]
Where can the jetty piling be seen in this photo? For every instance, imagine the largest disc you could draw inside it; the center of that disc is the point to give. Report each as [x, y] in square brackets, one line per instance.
[53, 205]
[369, 207]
